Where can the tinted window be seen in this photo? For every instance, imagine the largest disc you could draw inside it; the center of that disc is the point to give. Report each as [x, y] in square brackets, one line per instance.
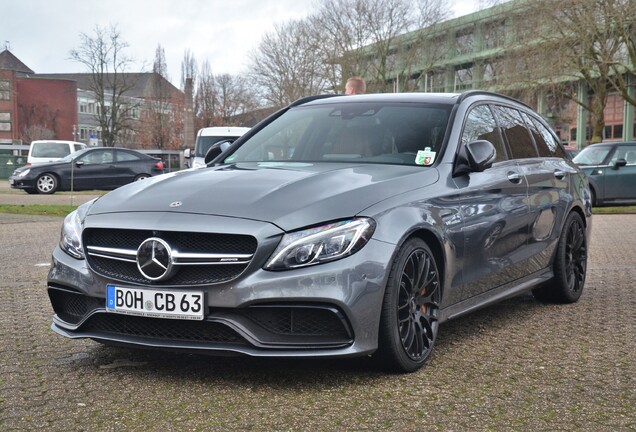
[396, 133]
[516, 133]
[97, 157]
[125, 156]
[542, 147]
[481, 125]
[549, 139]
[77, 147]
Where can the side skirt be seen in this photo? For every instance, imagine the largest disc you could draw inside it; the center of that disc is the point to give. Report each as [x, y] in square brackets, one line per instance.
[495, 295]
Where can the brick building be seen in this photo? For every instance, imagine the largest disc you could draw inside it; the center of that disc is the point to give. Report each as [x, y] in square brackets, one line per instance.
[28, 102]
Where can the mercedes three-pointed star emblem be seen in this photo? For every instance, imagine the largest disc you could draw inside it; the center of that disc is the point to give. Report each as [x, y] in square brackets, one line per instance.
[154, 259]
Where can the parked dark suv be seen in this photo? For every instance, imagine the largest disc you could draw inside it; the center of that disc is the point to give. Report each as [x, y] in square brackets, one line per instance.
[339, 226]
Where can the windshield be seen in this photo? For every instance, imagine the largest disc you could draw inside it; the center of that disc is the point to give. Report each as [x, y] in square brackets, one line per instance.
[391, 133]
[204, 143]
[594, 155]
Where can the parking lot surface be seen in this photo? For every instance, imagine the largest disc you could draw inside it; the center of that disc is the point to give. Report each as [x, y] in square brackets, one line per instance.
[519, 365]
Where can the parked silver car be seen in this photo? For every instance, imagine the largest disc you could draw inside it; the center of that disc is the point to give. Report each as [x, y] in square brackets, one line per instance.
[339, 226]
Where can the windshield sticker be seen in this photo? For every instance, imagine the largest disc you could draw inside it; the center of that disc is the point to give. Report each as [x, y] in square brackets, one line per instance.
[425, 157]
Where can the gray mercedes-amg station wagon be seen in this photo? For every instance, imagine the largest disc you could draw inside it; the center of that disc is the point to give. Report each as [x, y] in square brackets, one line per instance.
[340, 226]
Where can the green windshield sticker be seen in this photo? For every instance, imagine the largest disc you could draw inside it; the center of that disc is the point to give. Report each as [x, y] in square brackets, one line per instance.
[425, 157]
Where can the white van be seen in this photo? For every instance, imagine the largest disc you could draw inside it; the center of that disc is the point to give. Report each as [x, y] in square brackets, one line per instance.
[206, 137]
[43, 151]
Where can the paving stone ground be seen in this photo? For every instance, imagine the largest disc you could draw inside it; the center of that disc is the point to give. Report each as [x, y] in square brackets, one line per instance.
[519, 365]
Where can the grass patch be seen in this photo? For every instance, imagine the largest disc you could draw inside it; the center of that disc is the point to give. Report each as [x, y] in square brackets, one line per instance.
[614, 210]
[36, 209]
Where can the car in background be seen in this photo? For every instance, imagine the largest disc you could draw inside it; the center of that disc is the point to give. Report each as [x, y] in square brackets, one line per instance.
[571, 151]
[207, 137]
[611, 168]
[340, 226]
[100, 168]
[44, 151]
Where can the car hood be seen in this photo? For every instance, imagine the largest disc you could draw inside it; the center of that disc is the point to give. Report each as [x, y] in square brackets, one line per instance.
[289, 195]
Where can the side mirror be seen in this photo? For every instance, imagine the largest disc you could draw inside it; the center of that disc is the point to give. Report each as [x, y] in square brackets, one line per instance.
[620, 163]
[187, 153]
[476, 156]
[217, 149]
[79, 163]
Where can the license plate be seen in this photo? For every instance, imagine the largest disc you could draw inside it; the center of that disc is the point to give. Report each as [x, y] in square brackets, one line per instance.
[185, 305]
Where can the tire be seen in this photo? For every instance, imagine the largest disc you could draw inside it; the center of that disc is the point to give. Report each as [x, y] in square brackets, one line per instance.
[141, 177]
[410, 312]
[46, 184]
[570, 265]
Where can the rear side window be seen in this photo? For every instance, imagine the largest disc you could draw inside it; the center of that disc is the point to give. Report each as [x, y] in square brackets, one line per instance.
[481, 125]
[124, 157]
[50, 150]
[542, 147]
[516, 132]
[77, 147]
[549, 139]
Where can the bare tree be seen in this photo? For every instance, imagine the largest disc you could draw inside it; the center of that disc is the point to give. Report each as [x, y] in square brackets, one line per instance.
[382, 40]
[159, 105]
[103, 55]
[287, 64]
[583, 43]
[38, 122]
[623, 18]
[205, 102]
[234, 95]
[36, 132]
[188, 68]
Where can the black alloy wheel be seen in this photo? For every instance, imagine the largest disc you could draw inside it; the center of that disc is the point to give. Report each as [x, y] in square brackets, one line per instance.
[410, 313]
[570, 264]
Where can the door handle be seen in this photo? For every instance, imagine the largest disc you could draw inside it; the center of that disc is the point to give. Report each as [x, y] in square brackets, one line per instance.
[514, 177]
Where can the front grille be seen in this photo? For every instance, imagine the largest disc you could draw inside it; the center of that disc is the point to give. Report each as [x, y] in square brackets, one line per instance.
[183, 242]
[165, 329]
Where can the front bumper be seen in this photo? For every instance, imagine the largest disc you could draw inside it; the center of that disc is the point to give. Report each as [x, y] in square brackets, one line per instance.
[328, 310]
[21, 183]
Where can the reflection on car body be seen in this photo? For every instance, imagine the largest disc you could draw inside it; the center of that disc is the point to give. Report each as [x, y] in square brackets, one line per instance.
[338, 227]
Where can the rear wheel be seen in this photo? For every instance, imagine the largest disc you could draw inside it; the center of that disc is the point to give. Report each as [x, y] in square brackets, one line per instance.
[46, 184]
[409, 320]
[570, 264]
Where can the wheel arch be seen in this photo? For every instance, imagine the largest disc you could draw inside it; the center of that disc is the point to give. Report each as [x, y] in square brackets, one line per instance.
[435, 244]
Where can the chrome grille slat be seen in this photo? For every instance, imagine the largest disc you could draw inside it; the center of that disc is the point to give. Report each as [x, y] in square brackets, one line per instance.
[216, 257]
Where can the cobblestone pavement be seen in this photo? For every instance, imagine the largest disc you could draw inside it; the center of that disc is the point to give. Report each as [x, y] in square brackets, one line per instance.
[519, 365]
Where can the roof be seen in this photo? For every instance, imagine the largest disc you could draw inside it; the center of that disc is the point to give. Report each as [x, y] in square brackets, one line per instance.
[10, 62]
[141, 82]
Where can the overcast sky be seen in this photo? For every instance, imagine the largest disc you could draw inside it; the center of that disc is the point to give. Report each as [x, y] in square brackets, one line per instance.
[41, 33]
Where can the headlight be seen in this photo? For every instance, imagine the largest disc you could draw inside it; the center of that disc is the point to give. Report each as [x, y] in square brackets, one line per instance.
[23, 173]
[321, 244]
[71, 237]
